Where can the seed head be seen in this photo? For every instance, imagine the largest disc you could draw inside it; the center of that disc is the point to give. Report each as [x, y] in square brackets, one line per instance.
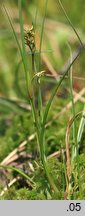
[29, 36]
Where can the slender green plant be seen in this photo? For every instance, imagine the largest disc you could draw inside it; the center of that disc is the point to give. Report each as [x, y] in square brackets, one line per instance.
[76, 138]
[31, 97]
[12, 105]
[71, 24]
[81, 129]
[75, 165]
[20, 172]
[24, 60]
[42, 141]
[75, 152]
[40, 122]
[23, 56]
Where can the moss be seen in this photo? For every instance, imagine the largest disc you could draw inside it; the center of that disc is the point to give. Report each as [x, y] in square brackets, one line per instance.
[14, 130]
[10, 194]
[56, 170]
[24, 194]
[42, 189]
[58, 196]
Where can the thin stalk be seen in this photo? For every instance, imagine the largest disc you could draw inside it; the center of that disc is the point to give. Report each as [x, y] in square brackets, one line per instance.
[36, 14]
[65, 171]
[42, 30]
[35, 117]
[40, 106]
[40, 109]
[12, 105]
[81, 128]
[73, 108]
[14, 33]
[20, 172]
[75, 147]
[50, 180]
[41, 140]
[44, 162]
[36, 124]
[27, 76]
[17, 41]
[79, 138]
[34, 70]
[71, 23]
[76, 162]
[56, 89]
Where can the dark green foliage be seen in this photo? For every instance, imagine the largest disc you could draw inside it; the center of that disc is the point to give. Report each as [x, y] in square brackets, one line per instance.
[14, 130]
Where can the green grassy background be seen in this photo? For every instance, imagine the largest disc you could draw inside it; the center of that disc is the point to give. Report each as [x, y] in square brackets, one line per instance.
[15, 121]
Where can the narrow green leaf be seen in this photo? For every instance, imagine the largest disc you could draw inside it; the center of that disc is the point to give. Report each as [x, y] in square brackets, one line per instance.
[56, 89]
[81, 128]
[70, 23]
[27, 76]
[19, 171]
[75, 151]
[14, 33]
[12, 105]
[42, 30]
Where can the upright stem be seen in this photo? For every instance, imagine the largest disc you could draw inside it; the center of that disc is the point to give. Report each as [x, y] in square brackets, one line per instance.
[44, 162]
[73, 108]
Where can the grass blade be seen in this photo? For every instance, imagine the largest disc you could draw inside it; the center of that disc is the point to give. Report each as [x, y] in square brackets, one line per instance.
[19, 171]
[12, 27]
[71, 23]
[56, 89]
[12, 105]
[40, 47]
[75, 151]
[27, 75]
[42, 30]
[17, 41]
[81, 128]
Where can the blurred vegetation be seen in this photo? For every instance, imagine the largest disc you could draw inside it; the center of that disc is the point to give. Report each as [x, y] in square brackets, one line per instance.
[16, 122]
